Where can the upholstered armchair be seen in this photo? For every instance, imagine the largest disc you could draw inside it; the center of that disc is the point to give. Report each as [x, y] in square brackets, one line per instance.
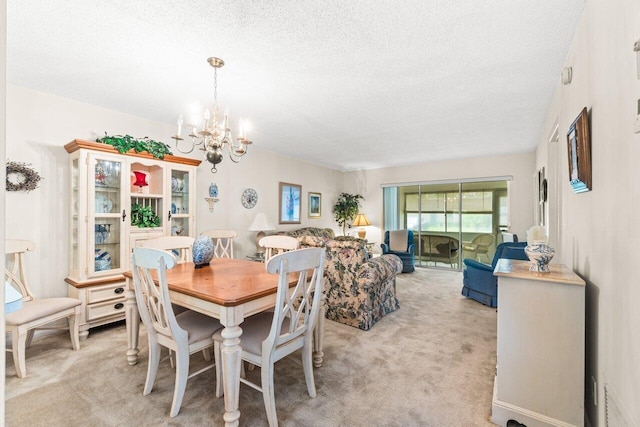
[359, 290]
[400, 243]
[479, 283]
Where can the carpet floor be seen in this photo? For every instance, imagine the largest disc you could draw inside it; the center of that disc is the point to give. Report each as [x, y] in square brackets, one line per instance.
[430, 363]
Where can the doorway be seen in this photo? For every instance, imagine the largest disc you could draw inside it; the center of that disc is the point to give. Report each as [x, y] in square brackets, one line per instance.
[450, 221]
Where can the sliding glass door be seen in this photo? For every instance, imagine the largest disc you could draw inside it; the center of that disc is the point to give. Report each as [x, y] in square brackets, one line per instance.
[450, 221]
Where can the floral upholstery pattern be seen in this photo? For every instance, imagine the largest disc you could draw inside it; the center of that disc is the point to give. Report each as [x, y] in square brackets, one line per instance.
[326, 233]
[358, 291]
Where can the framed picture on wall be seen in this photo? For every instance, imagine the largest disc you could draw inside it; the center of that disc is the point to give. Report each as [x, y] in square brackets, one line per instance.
[289, 203]
[579, 148]
[315, 205]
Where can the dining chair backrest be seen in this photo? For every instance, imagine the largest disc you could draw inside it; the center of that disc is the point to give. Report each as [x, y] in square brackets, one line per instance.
[300, 304]
[278, 244]
[153, 300]
[15, 271]
[180, 246]
[222, 242]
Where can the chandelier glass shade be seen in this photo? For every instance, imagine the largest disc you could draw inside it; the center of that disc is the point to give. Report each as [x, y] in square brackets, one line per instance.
[215, 134]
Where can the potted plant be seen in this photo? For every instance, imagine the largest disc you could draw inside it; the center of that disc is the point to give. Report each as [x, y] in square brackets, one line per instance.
[346, 209]
[143, 216]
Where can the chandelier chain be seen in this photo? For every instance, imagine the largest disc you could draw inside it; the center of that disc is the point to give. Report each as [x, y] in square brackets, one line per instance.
[215, 88]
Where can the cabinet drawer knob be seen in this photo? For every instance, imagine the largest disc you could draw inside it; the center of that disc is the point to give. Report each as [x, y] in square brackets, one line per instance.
[118, 290]
[118, 306]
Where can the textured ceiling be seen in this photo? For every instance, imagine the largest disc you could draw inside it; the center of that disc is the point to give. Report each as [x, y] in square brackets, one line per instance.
[345, 84]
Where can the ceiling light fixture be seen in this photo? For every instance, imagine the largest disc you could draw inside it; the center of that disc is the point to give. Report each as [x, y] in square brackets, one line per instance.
[214, 136]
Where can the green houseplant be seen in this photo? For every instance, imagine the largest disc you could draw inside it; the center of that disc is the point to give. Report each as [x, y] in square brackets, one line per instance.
[346, 209]
[127, 142]
[143, 216]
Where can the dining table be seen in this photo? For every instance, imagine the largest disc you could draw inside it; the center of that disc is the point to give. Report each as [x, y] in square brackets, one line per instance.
[227, 289]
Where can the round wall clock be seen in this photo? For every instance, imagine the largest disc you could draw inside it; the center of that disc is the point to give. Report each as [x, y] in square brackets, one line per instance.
[249, 198]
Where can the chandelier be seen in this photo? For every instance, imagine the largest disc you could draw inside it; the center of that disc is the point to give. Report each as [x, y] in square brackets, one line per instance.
[215, 135]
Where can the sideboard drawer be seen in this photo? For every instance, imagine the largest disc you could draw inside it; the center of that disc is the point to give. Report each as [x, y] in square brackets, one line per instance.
[107, 292]
[105, 309]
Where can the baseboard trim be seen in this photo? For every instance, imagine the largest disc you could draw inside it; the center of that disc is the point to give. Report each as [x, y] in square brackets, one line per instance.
[502, 412]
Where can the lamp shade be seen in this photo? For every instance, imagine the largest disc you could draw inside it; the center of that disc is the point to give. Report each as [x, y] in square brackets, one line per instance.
[261, 223]
[360, 221]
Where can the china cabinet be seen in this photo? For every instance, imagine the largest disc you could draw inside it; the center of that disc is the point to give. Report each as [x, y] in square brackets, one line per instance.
[118, 200]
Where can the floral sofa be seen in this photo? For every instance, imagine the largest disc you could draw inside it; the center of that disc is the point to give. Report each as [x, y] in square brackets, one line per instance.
[359, 290]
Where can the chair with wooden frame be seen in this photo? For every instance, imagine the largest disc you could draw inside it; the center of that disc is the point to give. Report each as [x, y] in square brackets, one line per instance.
[184, 334]
[277, 244]
[271, 336]
[35, 313]
[180, 244]
[479, 246]
[222, 242]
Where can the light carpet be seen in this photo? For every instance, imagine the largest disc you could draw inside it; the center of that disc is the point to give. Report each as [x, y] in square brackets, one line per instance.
[430, 363]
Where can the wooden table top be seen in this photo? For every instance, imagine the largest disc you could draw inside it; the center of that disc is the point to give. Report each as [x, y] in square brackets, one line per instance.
[227, 282]
[517, 269]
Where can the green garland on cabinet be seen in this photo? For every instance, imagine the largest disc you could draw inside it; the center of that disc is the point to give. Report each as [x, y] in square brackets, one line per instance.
[127, 142]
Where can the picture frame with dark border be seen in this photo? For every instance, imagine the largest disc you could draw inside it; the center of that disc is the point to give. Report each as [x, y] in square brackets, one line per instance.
[289, 205]
[315, 205]
[579, 149]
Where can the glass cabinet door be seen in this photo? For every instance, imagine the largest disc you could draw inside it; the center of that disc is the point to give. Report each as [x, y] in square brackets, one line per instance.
[180, 209]
[106, 213]
[74, 266]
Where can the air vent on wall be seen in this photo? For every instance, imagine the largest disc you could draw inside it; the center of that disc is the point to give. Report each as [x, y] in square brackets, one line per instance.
[614, 411]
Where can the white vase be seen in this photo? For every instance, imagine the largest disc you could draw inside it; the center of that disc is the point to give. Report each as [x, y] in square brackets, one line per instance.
[539, 254]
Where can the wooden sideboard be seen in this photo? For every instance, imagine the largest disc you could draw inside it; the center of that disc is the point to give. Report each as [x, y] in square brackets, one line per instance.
[541, 330]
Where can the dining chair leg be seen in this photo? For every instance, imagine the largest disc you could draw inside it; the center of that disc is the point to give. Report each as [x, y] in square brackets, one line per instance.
[74, 328]
[152, 368]
[307, 365]
[18, 344]
[206, 353]
[30, 334]
[268, 393]
[218, 362]
[182, 373]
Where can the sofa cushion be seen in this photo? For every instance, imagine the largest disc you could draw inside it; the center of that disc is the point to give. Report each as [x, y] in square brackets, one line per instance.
[398, 240]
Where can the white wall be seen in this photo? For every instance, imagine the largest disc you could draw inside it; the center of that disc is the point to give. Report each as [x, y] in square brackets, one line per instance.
[519, 166]
[40, 124]
[3, 123]
[262, 171]
[598, 230]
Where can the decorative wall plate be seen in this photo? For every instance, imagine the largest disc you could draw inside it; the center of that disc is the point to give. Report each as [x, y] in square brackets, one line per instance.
[249, 198]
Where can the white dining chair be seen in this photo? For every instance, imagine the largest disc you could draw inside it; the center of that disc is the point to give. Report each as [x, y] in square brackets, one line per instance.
[179, 245]
[277, 244]
[35, 313]
[222, 242]
[269, 337]
[187, 333]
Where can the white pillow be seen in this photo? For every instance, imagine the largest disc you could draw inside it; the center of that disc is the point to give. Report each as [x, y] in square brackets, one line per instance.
[398, 240]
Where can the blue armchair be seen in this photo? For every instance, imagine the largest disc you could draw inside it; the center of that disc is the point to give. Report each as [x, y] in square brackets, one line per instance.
[479, 283]
[405, 250]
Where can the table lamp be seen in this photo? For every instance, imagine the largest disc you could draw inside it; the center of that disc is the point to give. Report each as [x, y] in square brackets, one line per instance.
[260, 224]
[361, 221]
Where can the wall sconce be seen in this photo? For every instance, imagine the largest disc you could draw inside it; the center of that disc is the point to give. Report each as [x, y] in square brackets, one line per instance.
[211, 201]
[567, 74]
